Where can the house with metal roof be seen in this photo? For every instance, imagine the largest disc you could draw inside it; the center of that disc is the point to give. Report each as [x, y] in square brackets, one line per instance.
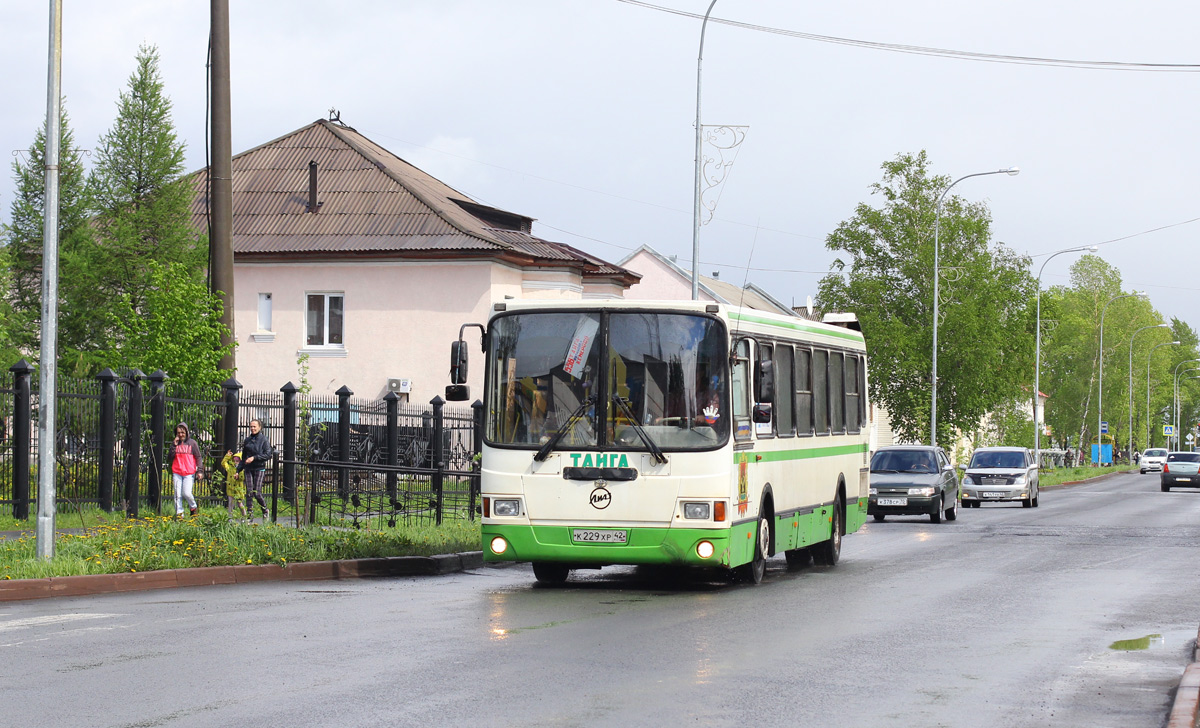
[348, 254]
[664, 279]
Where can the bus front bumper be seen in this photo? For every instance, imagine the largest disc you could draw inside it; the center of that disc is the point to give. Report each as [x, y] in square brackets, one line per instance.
[674, 546]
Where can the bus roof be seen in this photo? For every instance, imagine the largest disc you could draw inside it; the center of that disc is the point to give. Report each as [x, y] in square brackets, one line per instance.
[744, 320]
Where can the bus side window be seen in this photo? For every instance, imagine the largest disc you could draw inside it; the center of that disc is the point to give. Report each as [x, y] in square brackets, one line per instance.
[820, 372]
[852, 419]
[804, 397]
[741, 392]
[784, 392]
[837, 394]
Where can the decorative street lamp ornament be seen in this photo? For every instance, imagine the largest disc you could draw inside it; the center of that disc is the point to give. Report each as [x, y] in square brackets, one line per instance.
[725, 140]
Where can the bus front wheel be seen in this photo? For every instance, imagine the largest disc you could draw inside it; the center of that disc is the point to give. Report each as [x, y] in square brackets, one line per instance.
[550, 573]
[753, 571]
[827, 553]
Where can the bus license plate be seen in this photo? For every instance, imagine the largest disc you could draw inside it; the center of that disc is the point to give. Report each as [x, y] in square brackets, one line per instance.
[893, 501]
[583, 535]
[993, 495]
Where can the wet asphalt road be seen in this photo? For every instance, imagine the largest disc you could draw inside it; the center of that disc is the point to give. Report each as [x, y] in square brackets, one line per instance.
[1002, 618]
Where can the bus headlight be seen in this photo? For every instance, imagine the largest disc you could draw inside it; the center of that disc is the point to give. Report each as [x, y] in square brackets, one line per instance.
[704, 549]
[499, 545]
[506, 507]
[697, 510]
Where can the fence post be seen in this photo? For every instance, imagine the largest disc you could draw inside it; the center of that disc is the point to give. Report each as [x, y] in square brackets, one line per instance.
[158, 415]
[439, 453]
[393, 444]
[476, 453]
[289, 442]
[133, 443]
[108, 437]
[343, 436]
[229, 428]
[22, 437]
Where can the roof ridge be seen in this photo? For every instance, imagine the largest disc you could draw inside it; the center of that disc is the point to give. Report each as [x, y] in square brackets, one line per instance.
[437, 209]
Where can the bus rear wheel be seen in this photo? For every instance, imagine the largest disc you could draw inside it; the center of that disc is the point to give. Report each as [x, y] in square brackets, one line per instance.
[550, 573]
[828, 552]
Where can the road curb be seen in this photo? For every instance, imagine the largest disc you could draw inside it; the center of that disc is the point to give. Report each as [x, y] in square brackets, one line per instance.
[1187, 699]
[90, 584]
[1089, 480]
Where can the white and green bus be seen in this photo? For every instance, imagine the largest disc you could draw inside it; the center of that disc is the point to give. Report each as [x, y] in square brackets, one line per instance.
[675, 433]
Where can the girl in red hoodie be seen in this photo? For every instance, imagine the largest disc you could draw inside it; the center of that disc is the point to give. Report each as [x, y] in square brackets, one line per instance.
[185, 460]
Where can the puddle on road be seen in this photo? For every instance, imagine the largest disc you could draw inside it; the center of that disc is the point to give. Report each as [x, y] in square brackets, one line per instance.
[1141, 643]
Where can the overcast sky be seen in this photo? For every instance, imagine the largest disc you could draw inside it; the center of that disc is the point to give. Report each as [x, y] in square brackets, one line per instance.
[580, 113]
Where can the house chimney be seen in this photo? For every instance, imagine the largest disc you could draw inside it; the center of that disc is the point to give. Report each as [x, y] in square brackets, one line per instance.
[717, 274]
[313, 205]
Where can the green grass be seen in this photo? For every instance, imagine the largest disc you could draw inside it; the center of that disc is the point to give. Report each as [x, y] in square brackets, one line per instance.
[67, 516]
[1065, 475]
[214, 539]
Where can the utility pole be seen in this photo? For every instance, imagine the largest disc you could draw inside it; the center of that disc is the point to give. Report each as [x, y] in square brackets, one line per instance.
[48, 384]
[220, 240]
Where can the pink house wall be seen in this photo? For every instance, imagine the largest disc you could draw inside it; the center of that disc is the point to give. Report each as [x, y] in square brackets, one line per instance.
[399, 320]
[659, 281]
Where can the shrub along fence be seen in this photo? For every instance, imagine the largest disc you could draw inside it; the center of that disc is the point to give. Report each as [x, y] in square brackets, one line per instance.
[339, 460]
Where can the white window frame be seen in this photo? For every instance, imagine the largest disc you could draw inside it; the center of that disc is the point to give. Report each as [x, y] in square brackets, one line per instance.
[264, 332]
[325, 349]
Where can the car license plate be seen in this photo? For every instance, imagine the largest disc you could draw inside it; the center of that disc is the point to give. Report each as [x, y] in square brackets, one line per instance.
[892, 501]
[586, 535]
[1182, 479]
[993, 495]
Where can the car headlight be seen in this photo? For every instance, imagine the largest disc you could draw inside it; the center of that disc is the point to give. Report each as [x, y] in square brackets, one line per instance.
[506, 507]
[921, 490]
[696, 510]
[874, 491]
[967, 480]
[1019, 480]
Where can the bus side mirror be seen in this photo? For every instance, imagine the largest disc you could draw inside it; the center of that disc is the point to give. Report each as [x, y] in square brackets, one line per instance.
[458, 362]
[762, 413]
[458, 391]
[764, 383]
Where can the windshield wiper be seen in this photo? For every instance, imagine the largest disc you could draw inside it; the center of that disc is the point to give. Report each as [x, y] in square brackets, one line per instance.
[873, 470]
[641, 431]
[545, 449]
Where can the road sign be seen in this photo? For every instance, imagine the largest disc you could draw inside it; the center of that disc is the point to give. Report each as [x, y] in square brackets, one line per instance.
[1190, 437]
[1103, 428]
[1168, 430]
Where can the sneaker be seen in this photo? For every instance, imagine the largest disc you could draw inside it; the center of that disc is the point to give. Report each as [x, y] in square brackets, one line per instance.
[193, 510]
[266, 513]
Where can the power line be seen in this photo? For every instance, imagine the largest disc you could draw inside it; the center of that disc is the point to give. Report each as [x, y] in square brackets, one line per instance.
[1134, 235]
[938, 52]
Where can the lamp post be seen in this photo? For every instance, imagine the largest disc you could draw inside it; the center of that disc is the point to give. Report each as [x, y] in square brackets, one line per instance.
[1037, 361]
[1100, 393]
[1149, 357]
[1175, 394]
[1135, 333]
[937, 220]
[696, 200]
[1193, 446]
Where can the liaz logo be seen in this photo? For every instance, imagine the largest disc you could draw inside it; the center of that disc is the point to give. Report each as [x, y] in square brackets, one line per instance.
[599, 460]
[600, 498]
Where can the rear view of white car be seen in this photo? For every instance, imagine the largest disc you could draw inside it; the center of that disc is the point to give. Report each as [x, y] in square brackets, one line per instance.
[1152, 460]
[1182, 469]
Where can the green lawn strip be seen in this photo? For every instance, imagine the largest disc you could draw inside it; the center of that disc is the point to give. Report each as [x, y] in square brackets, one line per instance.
[213, 539]
[1059, 476]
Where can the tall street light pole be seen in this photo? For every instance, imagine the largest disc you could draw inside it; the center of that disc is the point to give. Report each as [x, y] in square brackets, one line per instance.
[696, 199]
[1135, 333]
[1100, 397]
[1175, 395]
[1037, 360]
[937, 220]
[1149, 357]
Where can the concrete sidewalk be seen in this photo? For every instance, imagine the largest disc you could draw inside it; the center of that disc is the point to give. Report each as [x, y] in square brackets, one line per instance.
[78, 586]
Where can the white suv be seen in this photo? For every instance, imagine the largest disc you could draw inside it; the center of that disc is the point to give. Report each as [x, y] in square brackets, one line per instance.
[1152, 460]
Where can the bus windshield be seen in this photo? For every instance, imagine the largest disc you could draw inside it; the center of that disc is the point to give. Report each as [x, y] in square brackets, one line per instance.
[663, 378]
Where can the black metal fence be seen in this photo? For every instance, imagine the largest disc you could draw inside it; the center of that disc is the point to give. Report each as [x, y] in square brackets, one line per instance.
[338, 460]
